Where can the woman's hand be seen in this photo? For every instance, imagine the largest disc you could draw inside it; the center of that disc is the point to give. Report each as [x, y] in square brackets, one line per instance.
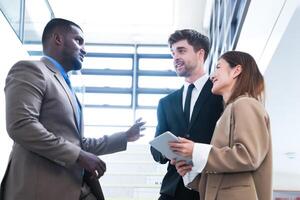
[182, 147]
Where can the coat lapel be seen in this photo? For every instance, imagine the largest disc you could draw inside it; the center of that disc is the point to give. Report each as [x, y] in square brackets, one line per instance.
[177, 106]
[204, 94]
[66, 88]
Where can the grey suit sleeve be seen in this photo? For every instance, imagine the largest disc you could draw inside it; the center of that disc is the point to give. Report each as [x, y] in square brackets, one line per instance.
[106, 144]
[24, 93]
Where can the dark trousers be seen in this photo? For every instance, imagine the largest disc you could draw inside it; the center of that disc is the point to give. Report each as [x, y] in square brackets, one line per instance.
[182, 193]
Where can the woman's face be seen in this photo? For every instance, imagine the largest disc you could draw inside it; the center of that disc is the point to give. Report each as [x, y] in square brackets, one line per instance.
[223, 78]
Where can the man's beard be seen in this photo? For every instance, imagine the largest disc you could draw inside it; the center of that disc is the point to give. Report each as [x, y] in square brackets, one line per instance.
[77, 65]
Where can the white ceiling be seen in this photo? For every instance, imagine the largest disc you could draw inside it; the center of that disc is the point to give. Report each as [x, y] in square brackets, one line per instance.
[131, 21]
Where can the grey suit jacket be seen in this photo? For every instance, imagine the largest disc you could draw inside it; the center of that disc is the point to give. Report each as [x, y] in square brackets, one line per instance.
[41, 119]
[243, 171]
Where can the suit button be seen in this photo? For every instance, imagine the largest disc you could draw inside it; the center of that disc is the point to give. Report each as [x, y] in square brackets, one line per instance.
[187, 136]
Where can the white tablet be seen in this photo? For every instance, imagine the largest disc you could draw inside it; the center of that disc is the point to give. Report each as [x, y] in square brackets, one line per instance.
[160, 143]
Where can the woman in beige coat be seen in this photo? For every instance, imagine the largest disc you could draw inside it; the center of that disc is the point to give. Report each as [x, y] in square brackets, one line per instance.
[238, 163]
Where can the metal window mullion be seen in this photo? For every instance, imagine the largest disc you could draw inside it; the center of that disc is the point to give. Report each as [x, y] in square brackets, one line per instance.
[134, 81]
[231, 9]
[50, 9]
[22, 20]
[212, 39]
[110, 72]
[245, 7]
[228, 25]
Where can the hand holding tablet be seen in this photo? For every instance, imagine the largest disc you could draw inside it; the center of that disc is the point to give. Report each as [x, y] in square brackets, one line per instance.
[160, 143]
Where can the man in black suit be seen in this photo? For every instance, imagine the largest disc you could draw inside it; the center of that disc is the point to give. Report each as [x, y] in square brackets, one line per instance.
[190, 112]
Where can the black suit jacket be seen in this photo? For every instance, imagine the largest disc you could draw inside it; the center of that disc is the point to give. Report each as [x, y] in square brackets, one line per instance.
[170, 117]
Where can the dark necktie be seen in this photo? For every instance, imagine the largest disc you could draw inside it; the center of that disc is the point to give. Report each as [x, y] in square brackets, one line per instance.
[187, 104]
[78, 108]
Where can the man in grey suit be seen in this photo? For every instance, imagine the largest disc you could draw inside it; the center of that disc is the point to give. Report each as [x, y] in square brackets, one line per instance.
[190, 112]
[50, 157]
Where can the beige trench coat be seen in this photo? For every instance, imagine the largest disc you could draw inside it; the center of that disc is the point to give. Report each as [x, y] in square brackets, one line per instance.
[243, 171]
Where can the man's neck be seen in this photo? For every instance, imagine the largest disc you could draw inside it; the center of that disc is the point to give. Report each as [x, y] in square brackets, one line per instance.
[195, 76]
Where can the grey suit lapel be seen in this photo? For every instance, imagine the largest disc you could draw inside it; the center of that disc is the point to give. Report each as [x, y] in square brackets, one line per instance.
[204, 94]
[71, 98]
[66, 88]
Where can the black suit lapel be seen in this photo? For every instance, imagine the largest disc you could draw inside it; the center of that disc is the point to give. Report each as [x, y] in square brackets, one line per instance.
[177, 106]
[204, 94]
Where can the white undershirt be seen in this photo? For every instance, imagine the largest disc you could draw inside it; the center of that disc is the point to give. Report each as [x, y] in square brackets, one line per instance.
[199, 157]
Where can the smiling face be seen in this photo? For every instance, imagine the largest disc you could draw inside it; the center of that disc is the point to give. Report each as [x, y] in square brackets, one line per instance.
[186, 60]
[224, 78]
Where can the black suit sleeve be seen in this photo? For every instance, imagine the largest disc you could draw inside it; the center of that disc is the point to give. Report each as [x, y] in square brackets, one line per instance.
[161, 127]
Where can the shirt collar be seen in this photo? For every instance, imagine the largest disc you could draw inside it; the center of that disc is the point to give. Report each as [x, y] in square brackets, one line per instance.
[57, 66]
[199, 83]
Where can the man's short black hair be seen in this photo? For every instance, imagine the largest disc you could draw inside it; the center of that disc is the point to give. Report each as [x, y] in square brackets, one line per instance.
[55, 23]
[193, 37]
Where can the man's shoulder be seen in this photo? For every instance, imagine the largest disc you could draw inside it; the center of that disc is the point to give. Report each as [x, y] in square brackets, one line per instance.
[172, 95]
[28, 68]
[32, 63]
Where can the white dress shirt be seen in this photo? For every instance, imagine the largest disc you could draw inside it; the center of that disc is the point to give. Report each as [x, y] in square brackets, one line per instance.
[199, 84]
[200, 151]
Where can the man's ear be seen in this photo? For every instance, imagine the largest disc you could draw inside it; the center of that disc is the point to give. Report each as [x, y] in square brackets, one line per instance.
[201, 54]
[57, 38]
[237, 71]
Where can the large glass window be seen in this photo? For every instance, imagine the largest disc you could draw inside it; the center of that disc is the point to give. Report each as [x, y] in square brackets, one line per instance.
[149, 99]
[108, 117]
[105, 99]
[35, 19]
[101, 81]
[121, 85]
[226, 21]
[156, 64]
[150, 49]
[27, 21]
[11, 10]
[107, 48]
[160, 82]
[107, 63]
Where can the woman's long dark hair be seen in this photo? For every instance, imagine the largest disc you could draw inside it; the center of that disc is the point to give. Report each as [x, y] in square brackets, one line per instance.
[250, 81]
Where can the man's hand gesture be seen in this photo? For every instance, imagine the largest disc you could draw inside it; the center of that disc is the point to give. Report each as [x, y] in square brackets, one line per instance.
[133, 133]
